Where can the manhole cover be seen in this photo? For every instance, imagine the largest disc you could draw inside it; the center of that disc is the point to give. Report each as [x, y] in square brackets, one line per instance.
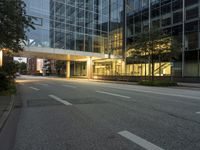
[42, 102]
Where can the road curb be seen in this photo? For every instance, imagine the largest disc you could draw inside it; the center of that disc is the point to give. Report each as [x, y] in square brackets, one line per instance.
[6, 114]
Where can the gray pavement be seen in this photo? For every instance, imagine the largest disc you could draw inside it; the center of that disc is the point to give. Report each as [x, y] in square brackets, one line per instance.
[61, 114]
[4, 103]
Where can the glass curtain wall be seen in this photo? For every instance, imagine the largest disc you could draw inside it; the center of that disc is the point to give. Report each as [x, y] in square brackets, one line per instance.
[80, 25]
[116, 26]
[168, 16]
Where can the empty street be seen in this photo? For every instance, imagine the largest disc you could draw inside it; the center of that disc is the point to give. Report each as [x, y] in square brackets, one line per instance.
[80, 114]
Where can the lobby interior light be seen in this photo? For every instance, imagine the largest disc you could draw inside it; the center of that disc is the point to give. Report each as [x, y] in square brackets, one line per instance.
[1, 55]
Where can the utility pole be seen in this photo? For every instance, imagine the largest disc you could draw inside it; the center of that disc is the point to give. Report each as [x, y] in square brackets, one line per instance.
[124, 34]
[149, 39]
[183, 41]
[198, 62]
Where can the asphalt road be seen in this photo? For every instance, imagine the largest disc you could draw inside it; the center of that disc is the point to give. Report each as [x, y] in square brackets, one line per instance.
[59, 114]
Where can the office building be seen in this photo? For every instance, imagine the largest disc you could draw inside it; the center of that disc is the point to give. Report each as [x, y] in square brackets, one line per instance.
[97, 35]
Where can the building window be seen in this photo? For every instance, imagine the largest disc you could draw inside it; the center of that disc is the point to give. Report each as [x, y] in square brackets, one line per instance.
[138, 28]
[177, 17]
[137, 18]
[166, 9]
[37, 21]
[190, 2]
[145, 3]
[177, 4]
[165, 2]
[191, 27]
[156, 23]
[155, 12]
[145, 15]
[192, 39]
[177, 30]
[166, 22]
[192, 13]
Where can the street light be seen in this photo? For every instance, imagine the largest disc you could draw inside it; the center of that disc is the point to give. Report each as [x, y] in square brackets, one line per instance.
[1, 58]
[183, 41]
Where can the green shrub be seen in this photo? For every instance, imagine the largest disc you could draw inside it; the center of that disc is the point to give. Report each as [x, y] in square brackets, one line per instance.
[4, 81]
[157, 83]
[7, 84]
[10, 68]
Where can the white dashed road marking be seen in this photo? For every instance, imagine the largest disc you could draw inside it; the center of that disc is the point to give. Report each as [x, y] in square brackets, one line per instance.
[118, 95]
[139, 141]
[36, 89]
[70, 86]
[44, 84]
[60, 100]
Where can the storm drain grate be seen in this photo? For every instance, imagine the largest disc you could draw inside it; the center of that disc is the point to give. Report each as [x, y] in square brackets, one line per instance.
[42, 102]
[86, 100]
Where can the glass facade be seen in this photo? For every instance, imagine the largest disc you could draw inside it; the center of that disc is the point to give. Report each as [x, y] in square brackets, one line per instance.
[168, 16]
[116, 26]
[81, 25]
[99, 26]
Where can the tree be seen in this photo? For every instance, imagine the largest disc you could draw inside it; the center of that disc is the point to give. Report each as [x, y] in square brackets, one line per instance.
[10, 68]
[60, 65]
[154, 46]
[14, 24]
[22, 67]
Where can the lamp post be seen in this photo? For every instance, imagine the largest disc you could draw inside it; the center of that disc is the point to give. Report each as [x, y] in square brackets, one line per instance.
[149, 55]
[124, 71]
[183, 41]
[1, 58]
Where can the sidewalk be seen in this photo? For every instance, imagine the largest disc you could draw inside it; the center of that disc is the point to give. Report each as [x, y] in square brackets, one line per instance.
[193, 85]
[6, 104]
[181, 84]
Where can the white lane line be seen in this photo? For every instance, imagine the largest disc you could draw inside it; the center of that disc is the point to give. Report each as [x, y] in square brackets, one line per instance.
[139, 141]
[60, 100]
[175, 95]
[70, 83]
[158, 93]
[118, 95]
[70, 86]
[44, 84]
[198, 112]
[36, 89]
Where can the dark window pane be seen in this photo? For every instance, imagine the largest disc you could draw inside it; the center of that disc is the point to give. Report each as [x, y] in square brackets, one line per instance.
[190, 2]
[166, 22]
[177, 4]
[166, 9]
[192, 26]
[192, 13]
[177, 17]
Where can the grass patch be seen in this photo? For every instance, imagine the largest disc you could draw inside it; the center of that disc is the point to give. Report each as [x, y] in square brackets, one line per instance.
[157, 83]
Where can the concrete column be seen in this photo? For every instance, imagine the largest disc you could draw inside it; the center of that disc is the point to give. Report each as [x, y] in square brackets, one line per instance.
[123, 67]
[114, 68]
[89, 68]
[1, 58]
[68, 69]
